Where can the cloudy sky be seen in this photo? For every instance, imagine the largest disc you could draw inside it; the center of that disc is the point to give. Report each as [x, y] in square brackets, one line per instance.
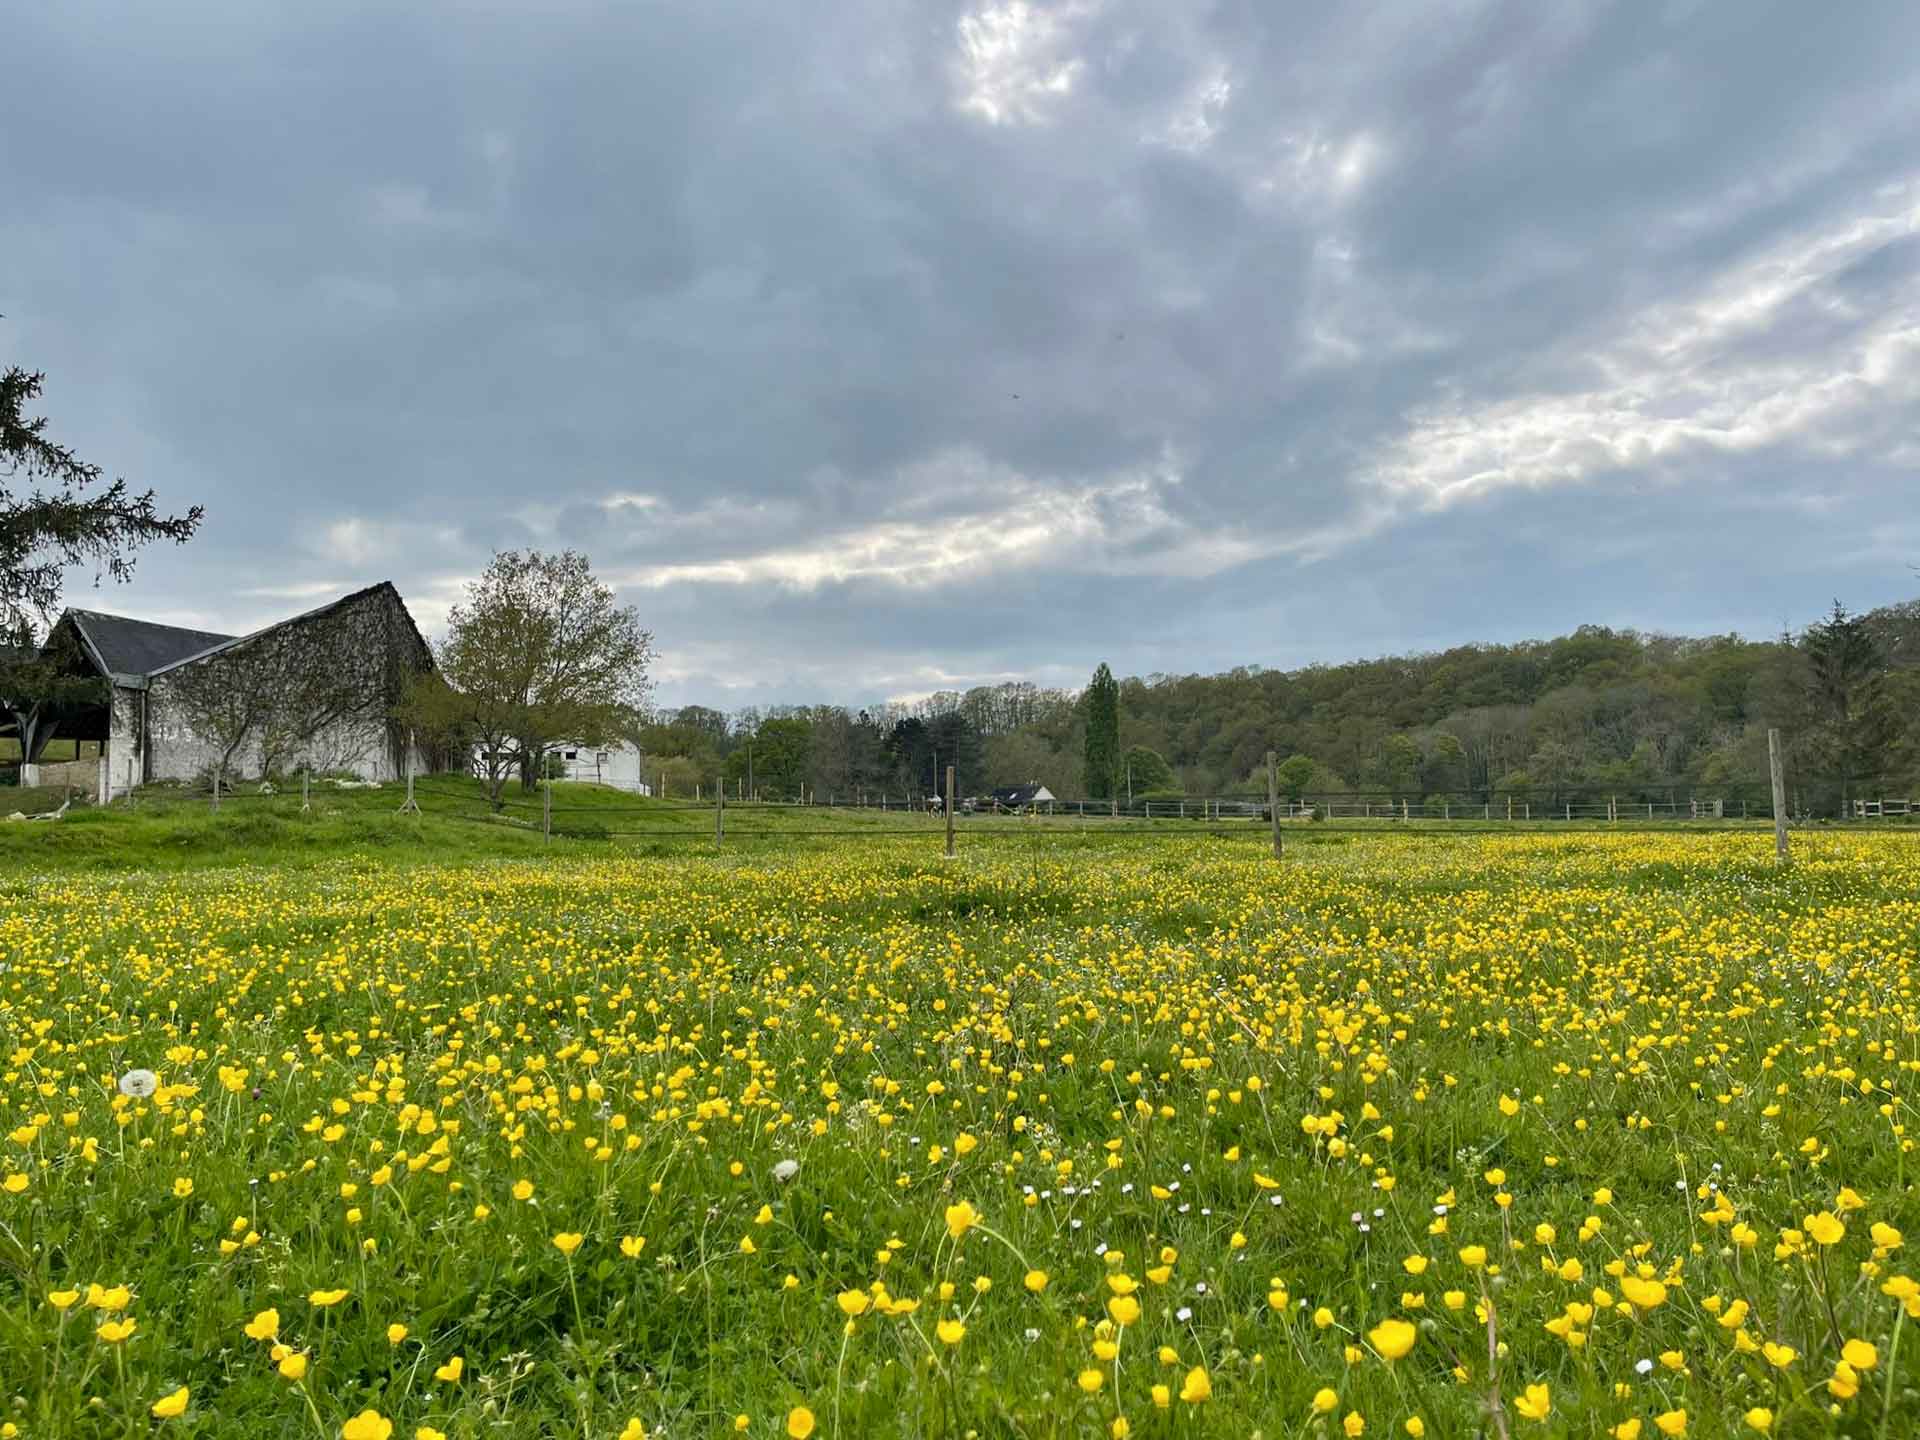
[872, 347]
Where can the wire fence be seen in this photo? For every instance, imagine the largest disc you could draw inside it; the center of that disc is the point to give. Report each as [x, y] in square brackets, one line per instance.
[619, 817]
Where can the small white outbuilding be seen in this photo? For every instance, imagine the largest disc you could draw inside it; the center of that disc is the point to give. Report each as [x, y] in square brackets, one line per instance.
[616, 764]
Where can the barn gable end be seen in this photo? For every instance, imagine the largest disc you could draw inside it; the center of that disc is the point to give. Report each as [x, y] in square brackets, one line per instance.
[317, 690]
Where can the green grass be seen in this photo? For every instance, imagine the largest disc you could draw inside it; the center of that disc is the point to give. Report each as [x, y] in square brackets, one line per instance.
[56, 750]
[1175, 1063]
[171, 828]
[35, 799]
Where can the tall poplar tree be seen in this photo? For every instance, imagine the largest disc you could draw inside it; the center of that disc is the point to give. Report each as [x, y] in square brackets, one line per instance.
[1103, 732]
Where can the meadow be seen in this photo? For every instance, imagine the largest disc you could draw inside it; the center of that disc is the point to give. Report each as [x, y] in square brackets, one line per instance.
[1428, 1135]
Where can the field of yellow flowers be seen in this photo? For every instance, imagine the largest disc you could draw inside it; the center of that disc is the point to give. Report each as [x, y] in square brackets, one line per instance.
[1520, 1136]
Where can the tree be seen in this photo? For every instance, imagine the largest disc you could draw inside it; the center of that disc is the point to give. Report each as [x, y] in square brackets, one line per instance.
[1398, 765]
[1295, 774]
[1103, 733]
[953, 741]
[41, 686]
[1446, 764]
[52, 516]
[1847, 699]
[910, 754]
[779, 751]
[1021, 758]
[538, 652]
[1147, 772]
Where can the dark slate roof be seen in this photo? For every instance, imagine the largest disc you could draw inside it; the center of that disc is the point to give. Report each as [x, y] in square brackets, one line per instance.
[138, 647]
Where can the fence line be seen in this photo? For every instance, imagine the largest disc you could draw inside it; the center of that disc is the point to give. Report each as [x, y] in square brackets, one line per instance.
[1062, 822]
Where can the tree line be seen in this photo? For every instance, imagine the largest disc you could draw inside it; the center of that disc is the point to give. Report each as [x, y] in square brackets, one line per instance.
[1635, 715]
[540, 652]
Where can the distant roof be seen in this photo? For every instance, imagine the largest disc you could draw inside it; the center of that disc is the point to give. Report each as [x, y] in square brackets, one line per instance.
[137, 647]
[1022, 794]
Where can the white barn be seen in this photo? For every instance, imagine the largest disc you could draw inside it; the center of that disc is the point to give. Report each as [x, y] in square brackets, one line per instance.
[617, 764]
[365, 644]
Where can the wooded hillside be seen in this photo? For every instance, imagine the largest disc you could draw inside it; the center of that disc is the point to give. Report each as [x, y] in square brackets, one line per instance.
[1614, 711]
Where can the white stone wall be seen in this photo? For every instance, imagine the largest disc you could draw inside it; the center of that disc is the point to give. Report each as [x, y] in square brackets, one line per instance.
[179, 754]
[617, 765]
[123, 768]
[363, 748]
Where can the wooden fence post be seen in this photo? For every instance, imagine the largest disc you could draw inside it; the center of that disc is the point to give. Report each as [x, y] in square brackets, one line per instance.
[719, 812]
[1776, 771]
[949, 812]
[1273, 801]
[216, 787]
[306, 782]
[410, 808]
[546, 809]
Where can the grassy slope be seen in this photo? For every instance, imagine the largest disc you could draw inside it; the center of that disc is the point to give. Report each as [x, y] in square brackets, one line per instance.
[170, 829]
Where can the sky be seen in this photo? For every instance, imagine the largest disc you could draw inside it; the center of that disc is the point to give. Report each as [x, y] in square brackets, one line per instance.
[872, 347]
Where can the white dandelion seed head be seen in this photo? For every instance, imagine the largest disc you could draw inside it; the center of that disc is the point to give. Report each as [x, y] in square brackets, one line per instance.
[785, 1170]
[139, 1083]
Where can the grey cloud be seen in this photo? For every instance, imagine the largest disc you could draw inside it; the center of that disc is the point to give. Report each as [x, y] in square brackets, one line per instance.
[385, 290]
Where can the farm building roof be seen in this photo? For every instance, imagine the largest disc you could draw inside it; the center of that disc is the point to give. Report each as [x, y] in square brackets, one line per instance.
[137, 647]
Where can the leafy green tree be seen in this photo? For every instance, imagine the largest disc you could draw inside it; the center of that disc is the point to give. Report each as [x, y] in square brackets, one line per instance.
[1103, 733]
[538, 652]
[1445, 771]
[956, 742]
[1399, 765]
[1295, 774]
[779, 750]
[1148, 773]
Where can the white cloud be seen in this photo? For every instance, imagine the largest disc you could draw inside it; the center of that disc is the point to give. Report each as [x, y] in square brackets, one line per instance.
[305, 590]
[1002, 521]
[1309, 167]
[355, 542]
[1016, 59]
[1193, 125]
[1700, 376]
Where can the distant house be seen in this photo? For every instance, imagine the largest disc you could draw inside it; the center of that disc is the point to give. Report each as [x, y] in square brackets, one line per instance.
[1022, 797]
[617, 765]
[358, 652]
